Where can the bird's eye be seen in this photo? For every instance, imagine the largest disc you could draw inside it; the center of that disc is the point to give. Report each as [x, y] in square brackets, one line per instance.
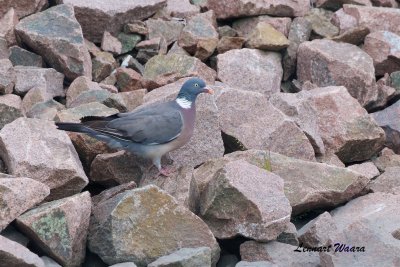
[196, 85]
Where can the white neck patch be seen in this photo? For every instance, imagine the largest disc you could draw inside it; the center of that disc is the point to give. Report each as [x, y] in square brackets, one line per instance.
[184, 103]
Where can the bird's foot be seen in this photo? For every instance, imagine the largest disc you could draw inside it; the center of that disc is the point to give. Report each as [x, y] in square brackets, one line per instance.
[167, 171]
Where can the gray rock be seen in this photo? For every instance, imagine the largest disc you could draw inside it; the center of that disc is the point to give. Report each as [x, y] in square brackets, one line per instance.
[23, 8]
[387, 181]
[7, 76]
[386, 159]
[10, 109]
[14, 254]
[85, 110]
[185, 257]
[22, 57]
[169, 30]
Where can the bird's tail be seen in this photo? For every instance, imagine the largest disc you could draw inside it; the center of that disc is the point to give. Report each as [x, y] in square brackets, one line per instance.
[72, 127]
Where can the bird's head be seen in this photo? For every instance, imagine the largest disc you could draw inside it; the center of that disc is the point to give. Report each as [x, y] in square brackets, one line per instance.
[190, 90]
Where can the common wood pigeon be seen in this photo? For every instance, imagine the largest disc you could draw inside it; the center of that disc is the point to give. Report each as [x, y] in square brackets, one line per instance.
[150, 131]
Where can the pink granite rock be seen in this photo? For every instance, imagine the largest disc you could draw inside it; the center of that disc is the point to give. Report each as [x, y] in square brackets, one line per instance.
[23, 8]
[19, 195]
[245, 26]
[78, 86]
[322, 62]
[384, 49]
[251, 69]
[111, 44]
[181, 8]
[7, 77]
[386, 182]
[387, 158]
[10, 109]
[343, 21]
[242, 199]
[60, 228]
[368, 169]
[128, 80]
[56, 35]
[169, 30]
[7, 25]
[14, 254]
[96, 16]
[229, 43]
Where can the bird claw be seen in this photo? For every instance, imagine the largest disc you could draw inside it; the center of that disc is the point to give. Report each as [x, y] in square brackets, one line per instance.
[167, 171]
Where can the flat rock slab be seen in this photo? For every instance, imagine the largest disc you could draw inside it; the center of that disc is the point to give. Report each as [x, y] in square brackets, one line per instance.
[144, 224]
[242, 199]
[60, 228]
[14, 254]
[97, 16]
[56, 35]
[36, 149]
[322, 62]
[251, 69]
[18, 195]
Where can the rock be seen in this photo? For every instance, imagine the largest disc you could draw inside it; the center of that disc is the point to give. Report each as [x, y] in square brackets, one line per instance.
[385, 3]
[135, 65]
[78, 86]
[371, 222]
[226, 31]
[7, 77]
[46, 110]
[10, 109]
[92, 47]
[303, 114]
[387, 181]
[276, 254]
[289, 236]
[150, 48]
[111, 17]
[375, 18]
[318, 232]
[111, 192]
[169, 30]
[164, 69]
[231, 203]
[14, 254]
[4, 53]
[199, 149]
[124, 264]
[321, 25]
[386, 159]
[30, 77]
[22, 57]
[335, 5]
[353, 36]
[383, 47]
[57, 37]
[49, 262]
[128, 41]
[200, 37]
[181, 9]
[142, 214]
[111, 44]
[86, 110]
[11, 233]
[229, 43]
[185, 257]
[180, 185]
[224, 9]
[102, 65]
[99, 96]
[128, 80]
[19, 195]
[350, 133]
[137, 26]
[133, 99]
[367, 169]
[241, 110]
[34, 148]
[308, 185]
[395, 80]
[331, 159]
[254, 264]
[60, 228]
[300, 31]
[265, 37]
[389, 121]
[343, 21]
[236, 69]
[245, 26]
[115, 168]
[322, 61]
[7, 24]
[176, 49]
[384, 94]
[23, 8]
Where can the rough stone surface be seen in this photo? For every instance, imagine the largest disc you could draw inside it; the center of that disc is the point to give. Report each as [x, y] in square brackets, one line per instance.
[206, 142]
[34, 148]
[322, 62]
[137, 26]
[65, 220]
[169, 30]
[22, 57]
[185, 257]
[57, 37]
[240, 110]
[10, 109]
[368, 169]
[242, 199]
[7, 77]
[23, 8]
[85, 110]
[181, 9]
[386, 182]
[229, 43]
[46, 110]
[245, 26]
[308, 185]
[78, 86]
[102, 65]
[111, 192]
[241, 8]
[111, 44]
[386, 159]
[384, 49]
[128, 80]
[163, 69]
[111, 17]
[4, 52]
[251, 69]
[144, 224]
[18, 195]
[353, 36]
[266, 37]
[389, 120]
[30, 77]
[276, 254]
[14, 254]
[99, 96]
[320, 20]
[7, 24]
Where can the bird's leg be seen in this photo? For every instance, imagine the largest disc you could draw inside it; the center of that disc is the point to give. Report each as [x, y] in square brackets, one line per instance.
[166, 170]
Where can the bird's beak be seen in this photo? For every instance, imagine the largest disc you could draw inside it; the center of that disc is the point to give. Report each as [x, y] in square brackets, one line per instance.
[208, 91]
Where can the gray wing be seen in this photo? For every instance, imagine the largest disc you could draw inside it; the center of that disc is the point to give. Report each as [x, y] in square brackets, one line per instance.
[150, 125]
